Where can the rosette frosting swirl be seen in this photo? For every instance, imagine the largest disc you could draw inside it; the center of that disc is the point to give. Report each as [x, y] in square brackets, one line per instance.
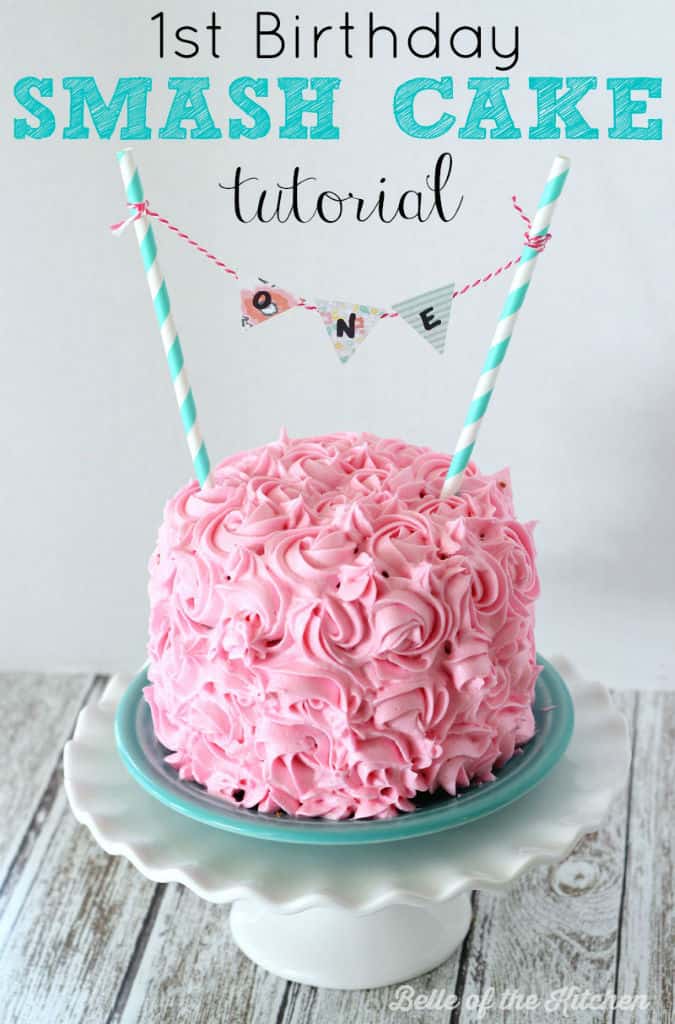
[329, 637]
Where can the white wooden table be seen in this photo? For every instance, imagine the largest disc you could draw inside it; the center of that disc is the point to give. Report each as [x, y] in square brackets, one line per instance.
[85, 938]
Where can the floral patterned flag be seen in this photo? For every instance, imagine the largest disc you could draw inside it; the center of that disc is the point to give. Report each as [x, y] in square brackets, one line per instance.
[262, 301]
[429, 315]
[348, 324]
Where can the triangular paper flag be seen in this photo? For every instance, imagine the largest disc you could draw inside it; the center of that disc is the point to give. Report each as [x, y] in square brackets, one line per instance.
[348, 324]
[429, 315]
[262, 301]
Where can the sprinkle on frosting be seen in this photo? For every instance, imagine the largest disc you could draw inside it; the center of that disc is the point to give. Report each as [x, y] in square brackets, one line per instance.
[329, 637]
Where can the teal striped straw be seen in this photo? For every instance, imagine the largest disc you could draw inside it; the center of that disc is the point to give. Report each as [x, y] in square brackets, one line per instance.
[160, 298]
[505, 327]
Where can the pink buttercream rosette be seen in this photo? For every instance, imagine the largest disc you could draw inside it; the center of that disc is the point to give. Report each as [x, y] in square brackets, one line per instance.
[329, 638]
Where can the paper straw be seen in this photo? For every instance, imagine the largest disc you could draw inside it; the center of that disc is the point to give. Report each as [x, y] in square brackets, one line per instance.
[505, 328]
[160, 298]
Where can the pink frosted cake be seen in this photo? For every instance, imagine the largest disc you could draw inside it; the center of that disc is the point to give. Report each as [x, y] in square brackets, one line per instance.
[330, 638]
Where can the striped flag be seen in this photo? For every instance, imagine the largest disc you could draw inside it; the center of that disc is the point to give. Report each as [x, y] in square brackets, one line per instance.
[429, 315]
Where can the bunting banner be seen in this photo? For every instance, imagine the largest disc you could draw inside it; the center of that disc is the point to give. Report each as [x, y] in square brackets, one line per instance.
[263, 301]
[348, 324]
[429, 315]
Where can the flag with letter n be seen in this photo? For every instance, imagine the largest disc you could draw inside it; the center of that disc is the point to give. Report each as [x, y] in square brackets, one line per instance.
[348, 324]
[429, 315]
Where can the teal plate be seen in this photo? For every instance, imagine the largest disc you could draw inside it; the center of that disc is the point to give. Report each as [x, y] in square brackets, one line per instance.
[143, 756]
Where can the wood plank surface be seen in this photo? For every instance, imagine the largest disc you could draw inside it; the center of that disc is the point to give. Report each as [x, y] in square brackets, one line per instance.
[70, 929]
[38, 713]
[85, 939]
[556, 927]
[647, 941]
[191, 972]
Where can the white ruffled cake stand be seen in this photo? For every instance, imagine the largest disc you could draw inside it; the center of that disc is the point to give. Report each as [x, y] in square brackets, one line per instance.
[349, 916]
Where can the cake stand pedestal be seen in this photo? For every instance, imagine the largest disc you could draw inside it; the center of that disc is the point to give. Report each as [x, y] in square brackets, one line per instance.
[336, 948]
[349, 916]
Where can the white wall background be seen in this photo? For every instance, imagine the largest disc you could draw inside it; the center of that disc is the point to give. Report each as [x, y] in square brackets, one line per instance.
[584, 411]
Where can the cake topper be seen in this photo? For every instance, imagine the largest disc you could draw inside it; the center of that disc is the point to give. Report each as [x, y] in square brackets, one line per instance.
[347, 323]
[167, 328]
[537, 236]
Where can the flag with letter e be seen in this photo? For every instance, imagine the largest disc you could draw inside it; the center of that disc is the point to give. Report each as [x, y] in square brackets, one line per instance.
[429, 315]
